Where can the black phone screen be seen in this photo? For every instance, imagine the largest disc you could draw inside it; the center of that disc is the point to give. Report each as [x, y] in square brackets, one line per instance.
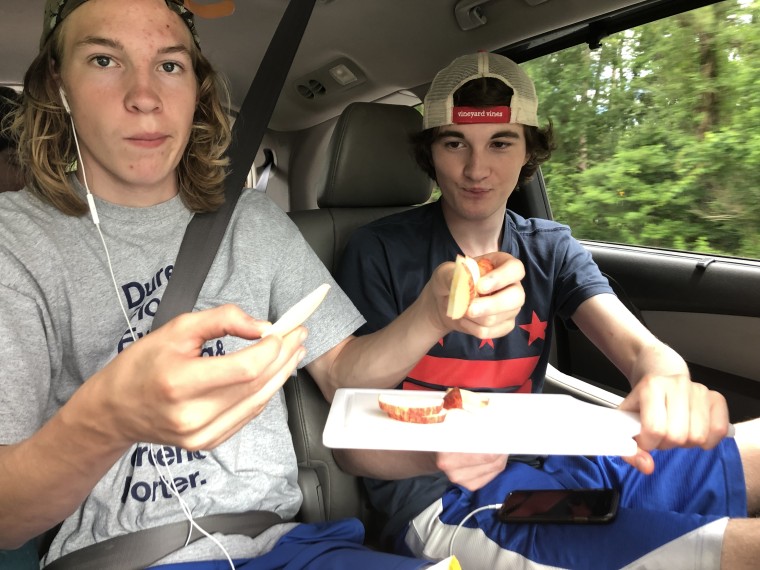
[560, 506]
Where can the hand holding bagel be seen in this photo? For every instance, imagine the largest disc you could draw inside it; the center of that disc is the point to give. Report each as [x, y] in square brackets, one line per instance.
[485, 294]
[467, 272]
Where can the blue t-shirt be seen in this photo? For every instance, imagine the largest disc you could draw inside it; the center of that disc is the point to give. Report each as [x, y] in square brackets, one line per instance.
[383, 270]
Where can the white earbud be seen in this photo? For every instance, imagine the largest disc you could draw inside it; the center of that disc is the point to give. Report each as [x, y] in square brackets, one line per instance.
[64, 100]
[90, 199]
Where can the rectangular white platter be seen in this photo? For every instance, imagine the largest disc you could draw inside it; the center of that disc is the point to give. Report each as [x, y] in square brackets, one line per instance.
[541, 424]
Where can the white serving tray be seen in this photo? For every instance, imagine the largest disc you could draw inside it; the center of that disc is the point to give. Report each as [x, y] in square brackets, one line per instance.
[541, 424]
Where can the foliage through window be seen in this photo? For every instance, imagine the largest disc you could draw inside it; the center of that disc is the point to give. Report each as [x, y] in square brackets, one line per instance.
[659, 133]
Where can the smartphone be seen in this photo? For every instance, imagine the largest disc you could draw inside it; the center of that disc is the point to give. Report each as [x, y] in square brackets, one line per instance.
[560, 506]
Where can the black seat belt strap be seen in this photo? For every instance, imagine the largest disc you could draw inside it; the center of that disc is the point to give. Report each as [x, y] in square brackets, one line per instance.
[205, 231]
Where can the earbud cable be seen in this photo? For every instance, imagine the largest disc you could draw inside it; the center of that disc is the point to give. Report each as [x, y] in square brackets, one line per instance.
[170, 480]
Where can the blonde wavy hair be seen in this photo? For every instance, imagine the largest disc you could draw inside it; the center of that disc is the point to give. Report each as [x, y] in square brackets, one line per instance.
[47, 151]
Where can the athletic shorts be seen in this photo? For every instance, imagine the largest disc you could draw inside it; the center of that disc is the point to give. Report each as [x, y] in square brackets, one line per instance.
[323, 546]
[674, 518]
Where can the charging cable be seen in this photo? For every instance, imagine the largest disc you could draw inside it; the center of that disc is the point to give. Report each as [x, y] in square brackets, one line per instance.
[96, 220]
[465, 519]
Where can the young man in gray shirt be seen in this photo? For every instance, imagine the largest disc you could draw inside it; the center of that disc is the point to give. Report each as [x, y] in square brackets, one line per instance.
[110, 429]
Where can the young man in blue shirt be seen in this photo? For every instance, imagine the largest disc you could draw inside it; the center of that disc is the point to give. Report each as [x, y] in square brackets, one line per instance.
[480, 139]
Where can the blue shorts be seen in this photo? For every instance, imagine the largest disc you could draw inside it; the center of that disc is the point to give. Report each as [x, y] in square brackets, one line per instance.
[324, 546]
[678, 513]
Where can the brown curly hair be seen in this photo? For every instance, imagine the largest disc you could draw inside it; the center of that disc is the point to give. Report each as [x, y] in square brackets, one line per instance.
[487, 92]
[47, 150]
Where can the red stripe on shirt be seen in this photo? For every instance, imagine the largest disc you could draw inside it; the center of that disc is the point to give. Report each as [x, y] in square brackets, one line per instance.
[447, 372]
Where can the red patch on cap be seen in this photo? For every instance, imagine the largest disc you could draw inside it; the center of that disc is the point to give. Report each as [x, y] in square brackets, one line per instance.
[467, 115]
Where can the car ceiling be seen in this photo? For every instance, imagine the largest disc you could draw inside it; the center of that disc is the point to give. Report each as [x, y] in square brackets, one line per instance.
[391, 45]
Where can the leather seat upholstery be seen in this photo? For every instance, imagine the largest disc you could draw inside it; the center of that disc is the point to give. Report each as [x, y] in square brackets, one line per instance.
[370, 173]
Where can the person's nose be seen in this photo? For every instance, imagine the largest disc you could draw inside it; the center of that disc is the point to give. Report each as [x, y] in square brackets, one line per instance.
[476, 167]
[142, 93]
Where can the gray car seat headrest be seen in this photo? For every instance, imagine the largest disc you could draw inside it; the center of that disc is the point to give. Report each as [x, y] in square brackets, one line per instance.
[370, 159]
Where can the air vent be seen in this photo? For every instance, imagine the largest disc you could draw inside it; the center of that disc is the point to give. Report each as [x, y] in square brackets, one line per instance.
[311, 89]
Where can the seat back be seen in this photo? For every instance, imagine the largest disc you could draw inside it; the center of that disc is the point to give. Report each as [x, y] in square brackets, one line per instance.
[370, 173]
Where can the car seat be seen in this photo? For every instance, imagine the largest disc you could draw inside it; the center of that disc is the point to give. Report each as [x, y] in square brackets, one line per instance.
[369, 173]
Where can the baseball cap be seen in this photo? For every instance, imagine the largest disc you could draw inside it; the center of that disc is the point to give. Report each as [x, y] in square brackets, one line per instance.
[57, 10]
[439, 101]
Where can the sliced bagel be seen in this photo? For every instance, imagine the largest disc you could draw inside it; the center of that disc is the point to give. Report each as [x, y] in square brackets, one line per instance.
[466, 274]
[422, 410]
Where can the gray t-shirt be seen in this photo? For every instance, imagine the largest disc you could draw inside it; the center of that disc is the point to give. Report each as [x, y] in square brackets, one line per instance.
[60, 322]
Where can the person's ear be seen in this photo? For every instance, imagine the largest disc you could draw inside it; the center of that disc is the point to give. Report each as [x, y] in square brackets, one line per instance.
[54, 70]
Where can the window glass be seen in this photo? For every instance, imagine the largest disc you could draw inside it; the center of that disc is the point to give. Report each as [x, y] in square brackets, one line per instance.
[658, 133]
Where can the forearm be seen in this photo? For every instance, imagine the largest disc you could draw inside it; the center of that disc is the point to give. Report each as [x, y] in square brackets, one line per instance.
[387, 465]
[46, 477]
[658, 359]
[674, 410]
[627, 343]
[640, 354]
[383, 359]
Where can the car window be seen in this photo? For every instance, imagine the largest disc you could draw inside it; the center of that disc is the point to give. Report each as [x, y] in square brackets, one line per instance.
[658, 133]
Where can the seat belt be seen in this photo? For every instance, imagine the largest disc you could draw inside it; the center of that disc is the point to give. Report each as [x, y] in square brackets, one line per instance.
[205, 231]
[266, 171]
[199, 245]
[146, 547]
